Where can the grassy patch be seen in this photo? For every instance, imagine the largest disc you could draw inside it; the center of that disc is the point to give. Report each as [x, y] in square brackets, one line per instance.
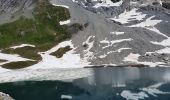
[61, 51]
[18, 65]
[26, 52]
[44, 28]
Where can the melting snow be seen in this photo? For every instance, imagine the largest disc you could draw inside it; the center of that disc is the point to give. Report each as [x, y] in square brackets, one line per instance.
[87, 52]
[107, 3]
[117, 33]
[147, 23]
[111, 43]
[22, 45]
[120, 40]
[64, 22]
[103, 56]
[132, 57]
[165, 50]
[11, 58]
[69, 59]
[64, 6]
[129, 16]
[165, 42]
[121, 49]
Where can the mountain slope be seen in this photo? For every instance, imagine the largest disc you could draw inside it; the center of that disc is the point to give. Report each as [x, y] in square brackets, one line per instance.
[123, 32]
[137, 41]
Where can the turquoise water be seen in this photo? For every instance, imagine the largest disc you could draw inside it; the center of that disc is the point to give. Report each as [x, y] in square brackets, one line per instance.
[105, 84]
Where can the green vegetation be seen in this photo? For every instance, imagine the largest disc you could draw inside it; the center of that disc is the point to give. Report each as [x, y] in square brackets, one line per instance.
[44, 28]
[26, 52]
[43, 31]
[18, 65]
[61, 51]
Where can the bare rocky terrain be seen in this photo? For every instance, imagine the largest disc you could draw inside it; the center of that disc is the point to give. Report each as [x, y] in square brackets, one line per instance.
[10, 10]
[113, 48]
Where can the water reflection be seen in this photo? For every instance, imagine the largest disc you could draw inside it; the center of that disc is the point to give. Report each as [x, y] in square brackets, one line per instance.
[104, 84]
[121, 76]
[114, 83]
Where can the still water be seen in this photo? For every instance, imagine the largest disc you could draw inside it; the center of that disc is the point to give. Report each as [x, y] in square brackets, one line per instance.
[103, 84]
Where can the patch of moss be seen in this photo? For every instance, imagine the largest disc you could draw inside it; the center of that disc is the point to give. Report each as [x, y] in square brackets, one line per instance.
[18, 65]
[61, 51]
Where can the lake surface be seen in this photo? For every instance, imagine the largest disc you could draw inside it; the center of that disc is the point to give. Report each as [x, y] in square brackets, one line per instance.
[103, 84]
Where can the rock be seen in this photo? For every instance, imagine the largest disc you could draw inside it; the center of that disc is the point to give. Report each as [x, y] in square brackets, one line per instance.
[4, 96]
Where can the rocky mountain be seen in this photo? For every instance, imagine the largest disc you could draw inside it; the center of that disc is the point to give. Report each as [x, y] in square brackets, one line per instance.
[104, 32]
[124, 32]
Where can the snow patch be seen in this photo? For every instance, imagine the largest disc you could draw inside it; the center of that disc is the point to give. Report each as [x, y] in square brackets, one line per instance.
[125, 17]
[132, 57]
[103, 56]
[65, 22]
[11, 58]
[22, 45]
[157, 31]
[8, 59]
[165, 42]
[121, 49]
[87, 53]
[147, 23]
[111, 43]
[69, 59]
[117, 33]
[107, 3]
[64, 6]
[165, 50]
